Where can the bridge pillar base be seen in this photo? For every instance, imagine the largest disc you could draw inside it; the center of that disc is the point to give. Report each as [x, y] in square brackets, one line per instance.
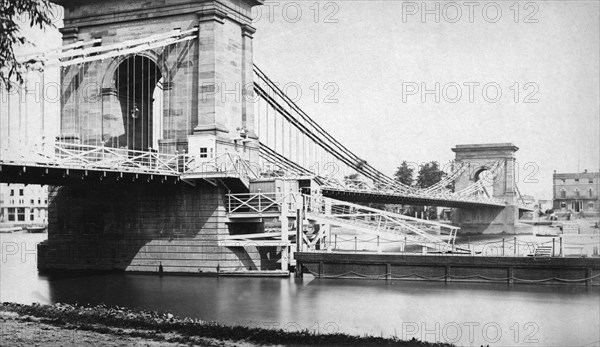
[489, 220]
[141, 228]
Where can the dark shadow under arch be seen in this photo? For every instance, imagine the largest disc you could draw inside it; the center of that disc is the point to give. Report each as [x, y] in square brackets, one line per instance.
[135, 79]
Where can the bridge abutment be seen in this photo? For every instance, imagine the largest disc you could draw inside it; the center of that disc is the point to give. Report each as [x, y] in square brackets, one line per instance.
[129, 227]
[486, 220]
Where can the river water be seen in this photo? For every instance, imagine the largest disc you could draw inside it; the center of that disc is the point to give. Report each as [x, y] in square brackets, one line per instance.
[464, 314]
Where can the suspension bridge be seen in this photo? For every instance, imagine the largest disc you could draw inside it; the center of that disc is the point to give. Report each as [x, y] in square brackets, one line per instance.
[166, 139]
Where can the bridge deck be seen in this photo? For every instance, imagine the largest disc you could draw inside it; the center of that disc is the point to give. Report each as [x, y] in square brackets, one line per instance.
[61, 175]
[353, 196]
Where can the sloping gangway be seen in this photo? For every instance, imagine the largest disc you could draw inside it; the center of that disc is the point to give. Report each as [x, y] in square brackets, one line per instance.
[300, 213]
[367, 220]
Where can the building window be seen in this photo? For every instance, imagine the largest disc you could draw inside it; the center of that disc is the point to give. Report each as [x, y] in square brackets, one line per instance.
[563, 204]
[563, 193]
[39, 201]
[12, 192]
[32, 216]
[576, 192]
[203, 152]
[577, 180]
[11, 214]
[591, 180]
[590, 205]
[21, 192]
[32, 201]
[590, 192]
[21, 214]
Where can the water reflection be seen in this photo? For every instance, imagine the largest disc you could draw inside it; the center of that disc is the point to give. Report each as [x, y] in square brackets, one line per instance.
[493, 314]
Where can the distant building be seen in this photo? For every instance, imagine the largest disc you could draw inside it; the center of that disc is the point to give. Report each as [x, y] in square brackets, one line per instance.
[576, 192]
[23, 205]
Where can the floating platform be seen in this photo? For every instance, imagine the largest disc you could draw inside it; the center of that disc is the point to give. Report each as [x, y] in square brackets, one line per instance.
[450, 268]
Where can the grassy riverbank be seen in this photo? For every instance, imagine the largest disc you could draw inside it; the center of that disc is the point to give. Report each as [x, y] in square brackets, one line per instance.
[27, 324]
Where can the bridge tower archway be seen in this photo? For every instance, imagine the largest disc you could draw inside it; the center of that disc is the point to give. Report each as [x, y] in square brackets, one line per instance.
[494, 164]
[481, 160]
[136, 123]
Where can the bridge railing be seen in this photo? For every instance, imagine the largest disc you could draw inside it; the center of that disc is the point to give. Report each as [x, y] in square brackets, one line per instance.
[505, 247]
[363, 187]
[255, 203]
[223, 165]
[119, 159]
[90, 157]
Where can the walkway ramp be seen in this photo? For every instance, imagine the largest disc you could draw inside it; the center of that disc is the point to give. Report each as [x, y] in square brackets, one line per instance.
[382, 223]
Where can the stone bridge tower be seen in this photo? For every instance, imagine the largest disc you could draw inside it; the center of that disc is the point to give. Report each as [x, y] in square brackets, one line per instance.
[206, 83]
[480, 159]
[192, 97]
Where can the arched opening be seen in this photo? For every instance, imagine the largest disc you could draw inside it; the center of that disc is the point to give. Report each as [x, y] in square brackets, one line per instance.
[139, 94]
[487, 178]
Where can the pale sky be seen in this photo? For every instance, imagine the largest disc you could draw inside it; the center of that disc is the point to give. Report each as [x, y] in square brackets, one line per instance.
[371, 51]
[362, 52]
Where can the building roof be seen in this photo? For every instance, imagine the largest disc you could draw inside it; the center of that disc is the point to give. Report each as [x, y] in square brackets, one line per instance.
[576, 175]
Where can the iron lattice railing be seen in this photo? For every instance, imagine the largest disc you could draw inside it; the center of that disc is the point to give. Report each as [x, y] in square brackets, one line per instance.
[118, 159]
[89, 157]
[363, 187]
[255, 203]
[224, 165]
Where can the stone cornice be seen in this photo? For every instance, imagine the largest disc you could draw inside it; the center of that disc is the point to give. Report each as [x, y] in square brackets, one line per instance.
[486, 147]
[218, 9]
[69, 33]
[212, 13]
[248, 31]
[576, 175]
[254, 2]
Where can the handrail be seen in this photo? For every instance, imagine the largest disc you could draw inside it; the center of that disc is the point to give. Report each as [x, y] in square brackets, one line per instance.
[90, 157]
[224, 163]
[255, 203]
[378, 211]
[318, 205]
[439, 195]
